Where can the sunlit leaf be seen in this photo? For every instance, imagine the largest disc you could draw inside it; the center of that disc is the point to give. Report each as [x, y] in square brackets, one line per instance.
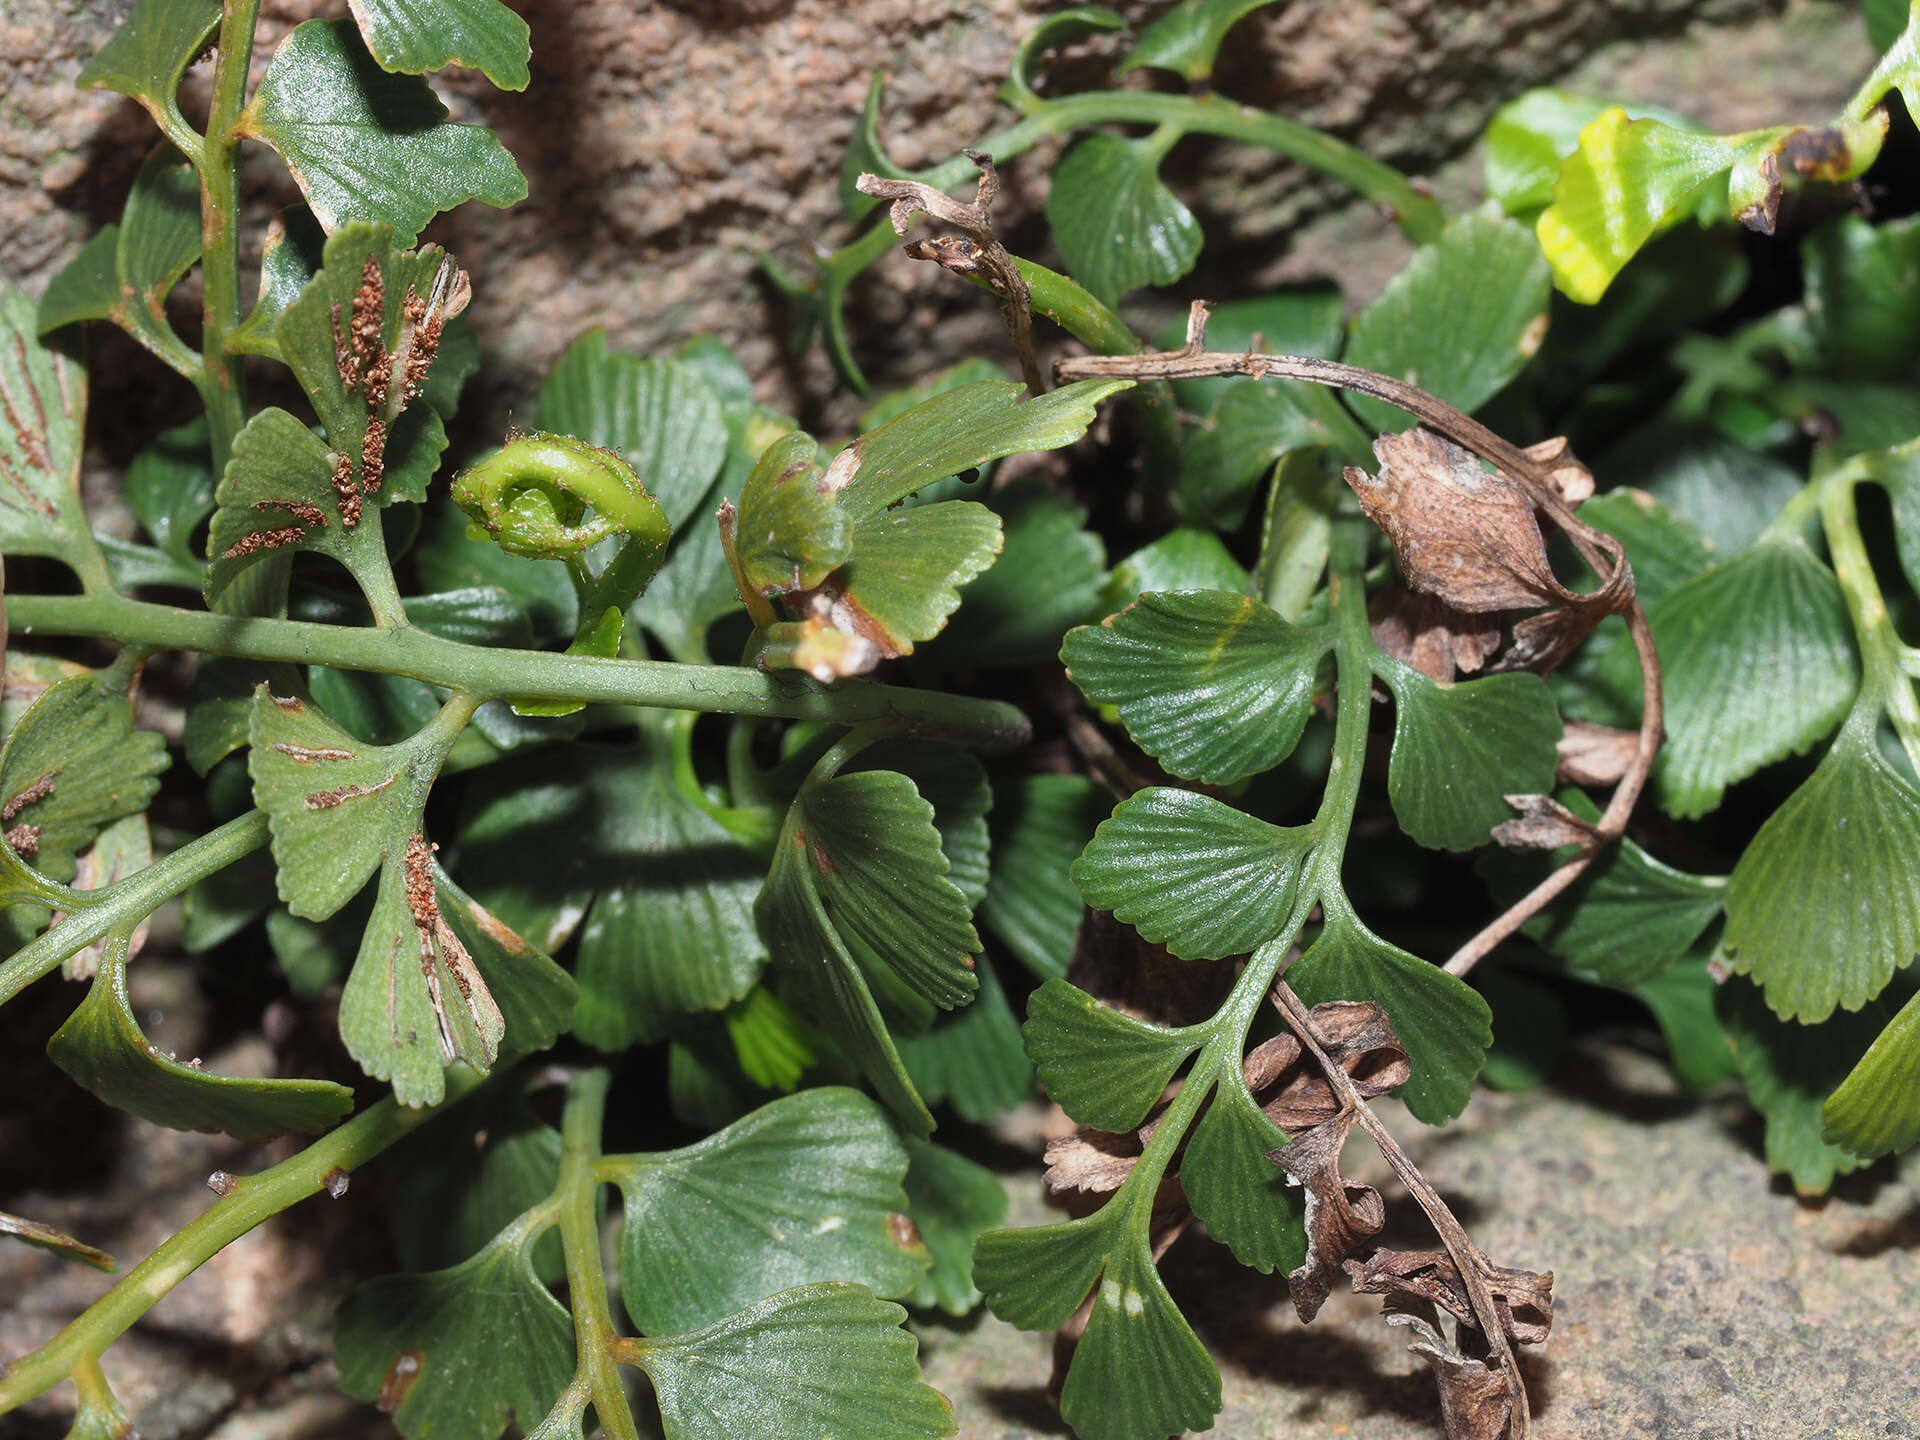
[1104, 1068]
[1529, 137]
[1631, 177]
[1213, 685]
[1241, 1195]
[1825, 904]
[1460, 320]
[1876, 1110]
[1789, 1070]
[1186, 38]
[963, 428]
[809, 1362]
[277, 497]
[1039, 824]
[1443, 1023]
[419, 35]
[1116, 222]
[1193, 874]
[1459, 750]
[905, 568]
[367, 145]
[102, 1048]
[435, 1342]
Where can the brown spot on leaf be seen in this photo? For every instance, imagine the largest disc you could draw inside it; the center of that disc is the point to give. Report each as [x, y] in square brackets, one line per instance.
[373, 456]
[307, 754]
[327, 799]
[311, 516]
[902, 1231]
[401, 1374]
[38, 790]
[292, 704]
[335, 1182]
[346, 493]
[258, 540]
[24, 840]
[221, 1183]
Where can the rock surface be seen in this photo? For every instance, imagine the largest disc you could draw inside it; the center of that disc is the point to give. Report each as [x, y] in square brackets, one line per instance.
[1693, 1299]
[667, 144]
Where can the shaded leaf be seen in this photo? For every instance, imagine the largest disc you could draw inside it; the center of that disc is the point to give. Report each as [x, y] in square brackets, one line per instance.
[290, 257]
[159, 230]
[1104, 1068]
[1876, 1110]
[419, 35]
[1183, 559]
[1460, 320]
[1139, 1370]
[536, 997]
[835, 1358]
[87, 287]
[1459, 750]
[102, 1048]
[1529, 1028]
[1863, 297]
[1789, 1070]
[1726, 489]
[1441, 1021]
[1039, 824]
[1240, 1194]
[1626, 919]
[1213, 685]
[1200, 877]
[45, 1237]
[43, 406]
[955, 784]
[170, 487]
[1825, 904]
[447, 559]
[1681, 998]
[1664, 547]
[672, 932]
[434, 1341]
[1117, 224]
[1186, 38]
[366, 145]
[804, 1188]
[1254, 424]
[952, 1201]
[1047, 578]
[973, 1058]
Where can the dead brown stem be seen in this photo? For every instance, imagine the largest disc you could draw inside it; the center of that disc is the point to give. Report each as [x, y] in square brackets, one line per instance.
[1532, 471]
[1473, 1266]
[974, 252]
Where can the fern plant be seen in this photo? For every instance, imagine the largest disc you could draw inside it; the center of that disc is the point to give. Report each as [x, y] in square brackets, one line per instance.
[445, 738]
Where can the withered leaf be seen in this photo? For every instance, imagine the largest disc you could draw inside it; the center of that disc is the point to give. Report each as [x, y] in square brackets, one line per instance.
[1287, 1084]
[1474, 1400]
[1096, 1161]
[1468, 535]
[1432, 636]
[1593, 754]
[1542, 823]
[1523, 1298]
[1341, 1216]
